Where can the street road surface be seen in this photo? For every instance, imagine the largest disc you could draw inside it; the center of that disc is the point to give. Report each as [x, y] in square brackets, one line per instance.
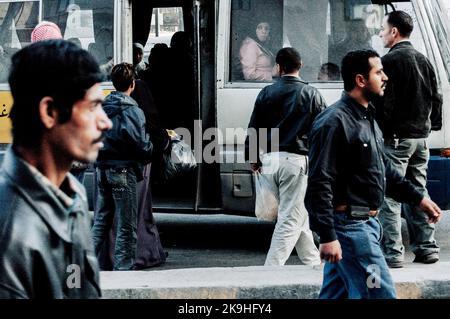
[196, 241]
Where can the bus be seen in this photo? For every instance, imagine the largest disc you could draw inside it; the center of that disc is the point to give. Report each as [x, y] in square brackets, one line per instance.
[223, 91]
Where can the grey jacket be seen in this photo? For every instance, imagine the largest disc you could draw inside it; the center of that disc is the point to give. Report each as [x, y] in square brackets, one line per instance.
[45, 249]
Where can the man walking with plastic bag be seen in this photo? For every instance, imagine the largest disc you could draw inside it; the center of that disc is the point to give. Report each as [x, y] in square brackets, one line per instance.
[283, 114]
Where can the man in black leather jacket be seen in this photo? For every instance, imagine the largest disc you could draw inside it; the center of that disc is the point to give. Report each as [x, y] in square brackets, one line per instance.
[45, 243]
[411, 108]
[286, 110]
[119, 168]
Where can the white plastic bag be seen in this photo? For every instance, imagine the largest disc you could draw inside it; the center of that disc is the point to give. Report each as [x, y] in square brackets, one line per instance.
[266, 204]
[179, 159]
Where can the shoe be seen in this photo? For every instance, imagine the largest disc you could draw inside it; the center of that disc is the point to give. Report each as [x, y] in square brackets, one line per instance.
[394, 264]
[427, 259]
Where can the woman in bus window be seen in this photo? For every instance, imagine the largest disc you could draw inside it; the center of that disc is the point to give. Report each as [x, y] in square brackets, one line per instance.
[257, 60]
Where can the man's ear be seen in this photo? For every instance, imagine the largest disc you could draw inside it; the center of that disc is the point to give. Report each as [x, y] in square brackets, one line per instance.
[394, 31]
[47, 112]
[360, 81]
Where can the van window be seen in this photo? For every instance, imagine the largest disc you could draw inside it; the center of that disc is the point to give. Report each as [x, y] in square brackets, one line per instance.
[88, 23]
[323, 31]
[17, 20]
[439, 13]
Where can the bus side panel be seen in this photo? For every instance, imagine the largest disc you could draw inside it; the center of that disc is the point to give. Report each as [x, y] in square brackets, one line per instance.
[234, 108]
[5, 123]
[438, 174]
[438, 181]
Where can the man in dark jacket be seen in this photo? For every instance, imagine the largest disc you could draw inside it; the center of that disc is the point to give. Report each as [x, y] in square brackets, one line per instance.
[286, 110]
[45, 243]
[412, 107]
[119, 168]
[348, 177]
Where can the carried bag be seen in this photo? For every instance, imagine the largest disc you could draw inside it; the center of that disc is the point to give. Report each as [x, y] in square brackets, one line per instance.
[179, 159]
[266, 204]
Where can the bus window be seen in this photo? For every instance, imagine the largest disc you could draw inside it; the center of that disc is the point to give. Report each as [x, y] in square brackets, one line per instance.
[18, 19]
[87, 23]
[440, 22]
[165, 22]
[322, 31]
[256, 35]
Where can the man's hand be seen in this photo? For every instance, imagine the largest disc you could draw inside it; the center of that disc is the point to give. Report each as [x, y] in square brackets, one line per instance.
[431, 209]
[331, 252]
[256, 167]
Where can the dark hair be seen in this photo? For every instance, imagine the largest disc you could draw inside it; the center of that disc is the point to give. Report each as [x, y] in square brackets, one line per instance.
[402, 21]
[354, 63]
[122, 76]
[289, 60]
[55, 68]
[332, 70]
[180, 41]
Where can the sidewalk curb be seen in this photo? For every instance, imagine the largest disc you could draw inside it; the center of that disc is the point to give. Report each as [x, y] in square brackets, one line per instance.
[415, 281]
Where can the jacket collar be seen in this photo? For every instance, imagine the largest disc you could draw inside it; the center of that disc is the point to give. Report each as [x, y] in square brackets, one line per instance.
[359, 109]
[401, 45]
[289, 78]
[42, 200]
[119, 99]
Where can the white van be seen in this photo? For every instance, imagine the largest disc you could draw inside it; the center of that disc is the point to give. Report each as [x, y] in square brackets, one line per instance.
[222, 93]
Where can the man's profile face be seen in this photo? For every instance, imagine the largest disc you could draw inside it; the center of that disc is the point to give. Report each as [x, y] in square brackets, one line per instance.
[386, 34]
[376, 82]
[80, 138]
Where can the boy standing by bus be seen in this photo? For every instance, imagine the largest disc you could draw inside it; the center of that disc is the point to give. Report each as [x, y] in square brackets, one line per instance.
[119, 168]
[289, 107]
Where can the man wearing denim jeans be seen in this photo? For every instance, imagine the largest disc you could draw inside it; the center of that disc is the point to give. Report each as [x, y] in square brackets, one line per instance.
[348, 177]
[411, 108]
[286, 109]
[119, 167]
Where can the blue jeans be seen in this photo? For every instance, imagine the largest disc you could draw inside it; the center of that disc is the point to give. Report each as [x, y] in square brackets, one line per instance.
[363, 272]
[117, 196]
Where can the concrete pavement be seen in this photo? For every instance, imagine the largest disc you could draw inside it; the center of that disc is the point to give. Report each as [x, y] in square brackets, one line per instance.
[414, 281]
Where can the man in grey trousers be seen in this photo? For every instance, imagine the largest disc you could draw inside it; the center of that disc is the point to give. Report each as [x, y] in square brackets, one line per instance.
[287, 107]
[411, 108]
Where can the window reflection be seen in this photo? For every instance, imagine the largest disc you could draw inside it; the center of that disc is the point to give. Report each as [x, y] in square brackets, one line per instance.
[88, 23]
[323, 31]
[17, 21]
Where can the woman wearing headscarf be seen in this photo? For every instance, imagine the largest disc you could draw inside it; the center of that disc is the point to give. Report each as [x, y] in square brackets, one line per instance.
[257, 60]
